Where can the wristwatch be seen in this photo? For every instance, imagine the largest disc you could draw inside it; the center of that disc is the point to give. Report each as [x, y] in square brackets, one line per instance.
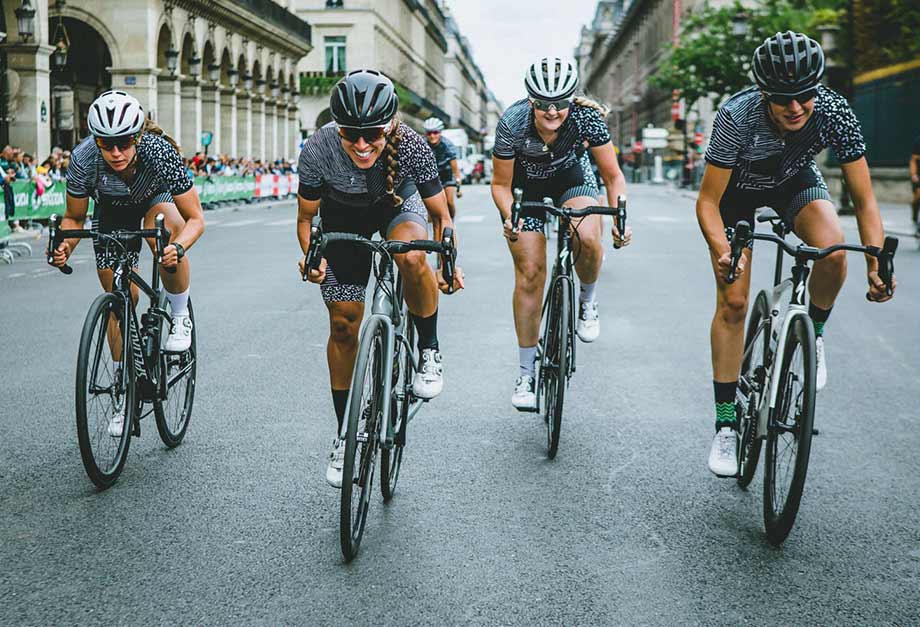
[180, 250]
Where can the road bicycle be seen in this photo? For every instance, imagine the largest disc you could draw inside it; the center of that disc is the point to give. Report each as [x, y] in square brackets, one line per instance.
[775, 401]
[380, 401]
[555, 360]
[146, 374]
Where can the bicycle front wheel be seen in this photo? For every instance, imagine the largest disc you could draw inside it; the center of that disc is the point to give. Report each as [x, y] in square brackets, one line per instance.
[554, 368]
[365, 410]
[178, 372]
[789, 433]
[105, 390]
[400, 402]
[753, 376]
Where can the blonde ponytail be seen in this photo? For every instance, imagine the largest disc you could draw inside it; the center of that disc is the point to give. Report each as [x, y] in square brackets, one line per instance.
[581, 101]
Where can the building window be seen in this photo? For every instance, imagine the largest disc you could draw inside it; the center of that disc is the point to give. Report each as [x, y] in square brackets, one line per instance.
[335, 55]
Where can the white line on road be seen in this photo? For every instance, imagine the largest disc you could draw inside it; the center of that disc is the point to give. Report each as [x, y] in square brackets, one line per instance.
[287, 222]
[470, 218]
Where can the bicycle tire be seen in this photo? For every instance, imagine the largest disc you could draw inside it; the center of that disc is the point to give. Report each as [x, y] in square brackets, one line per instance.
[94, 438]
[172, 426]
[555, 367]
[780, 511]
[750, 445]
[364, 401]
[400, 402]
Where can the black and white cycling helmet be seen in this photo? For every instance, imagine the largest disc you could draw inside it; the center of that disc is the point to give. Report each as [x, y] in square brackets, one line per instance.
[363, 99]
[115, 114]
[434, 124]
[788, 63]
[551, 78]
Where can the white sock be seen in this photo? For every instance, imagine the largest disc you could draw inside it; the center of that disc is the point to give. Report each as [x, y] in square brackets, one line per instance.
[178, 303]
[586, 292]
[527, 355]
[115, 366]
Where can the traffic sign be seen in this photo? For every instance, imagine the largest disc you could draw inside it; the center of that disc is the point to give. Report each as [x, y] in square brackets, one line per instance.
[656, 142]
[206, 137]
[654, 133]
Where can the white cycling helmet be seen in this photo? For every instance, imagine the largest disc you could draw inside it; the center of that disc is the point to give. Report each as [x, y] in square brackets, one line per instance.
[551, 78]
[434, 124]
[114, 114]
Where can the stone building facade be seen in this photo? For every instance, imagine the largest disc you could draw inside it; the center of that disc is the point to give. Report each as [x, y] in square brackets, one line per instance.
[227, 67]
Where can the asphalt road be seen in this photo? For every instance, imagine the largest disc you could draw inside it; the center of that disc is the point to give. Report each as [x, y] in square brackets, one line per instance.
[627, 525]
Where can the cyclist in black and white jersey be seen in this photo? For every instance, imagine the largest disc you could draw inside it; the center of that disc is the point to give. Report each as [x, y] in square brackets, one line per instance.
[133, 171]
[362, 173]
[445, 155]
[539, 147]
[761, 153]
[914, 168]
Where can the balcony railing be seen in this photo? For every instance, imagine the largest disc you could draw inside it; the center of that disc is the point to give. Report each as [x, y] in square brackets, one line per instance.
[277, 15]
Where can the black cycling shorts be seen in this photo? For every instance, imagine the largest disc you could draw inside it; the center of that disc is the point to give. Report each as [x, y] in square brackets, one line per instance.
[787, 199]
[447, 178]
[577, 180]
[111, 214]
[348, 266]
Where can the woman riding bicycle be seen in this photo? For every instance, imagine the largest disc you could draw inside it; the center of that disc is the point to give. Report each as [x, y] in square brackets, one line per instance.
[445, 154]
[133, 171]
[366, 172]
[539, 147]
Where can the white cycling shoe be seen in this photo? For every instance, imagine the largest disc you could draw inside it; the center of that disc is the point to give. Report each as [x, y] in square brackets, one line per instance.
[336, 463]
[524, 398]
[179, 339]
[117, 425]
[820, 364]
[723, 453]
[589, 324]
[429, 380]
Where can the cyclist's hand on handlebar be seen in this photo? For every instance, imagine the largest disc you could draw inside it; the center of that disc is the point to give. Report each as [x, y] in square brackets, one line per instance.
[626, 240]
[725, 266]
[459, 283]
[315, 276]
[878, 293]
[60, 255]
[509, 234]
[170, 257]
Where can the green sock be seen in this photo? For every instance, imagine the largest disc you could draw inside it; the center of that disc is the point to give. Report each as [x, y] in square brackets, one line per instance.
[725, 415]
[819, 328]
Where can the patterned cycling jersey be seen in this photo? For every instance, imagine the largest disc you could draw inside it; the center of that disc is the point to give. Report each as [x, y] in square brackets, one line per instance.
[159, 169]
[745, 141]
[516, 138]
[328, 174]
[444, 152]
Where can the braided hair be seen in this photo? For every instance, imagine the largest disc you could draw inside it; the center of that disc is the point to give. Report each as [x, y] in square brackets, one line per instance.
[391, 165]
[587, 102]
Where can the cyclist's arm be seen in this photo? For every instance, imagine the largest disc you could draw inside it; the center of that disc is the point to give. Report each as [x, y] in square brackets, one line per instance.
[306, 211]
[456, 170]
[868, 218]
[914, 167]
[715, 181]
[438, 212]
[74, 218]
[502, 176]
[189, 206]
[606, 159]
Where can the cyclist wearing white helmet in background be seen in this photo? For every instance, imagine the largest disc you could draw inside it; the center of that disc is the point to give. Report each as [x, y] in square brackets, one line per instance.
[539, 147]
[133, 171]
[445, 154]
[761, 154]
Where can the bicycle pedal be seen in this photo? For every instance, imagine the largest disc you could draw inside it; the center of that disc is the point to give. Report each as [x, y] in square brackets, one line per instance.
[815, 432]
[528, 410]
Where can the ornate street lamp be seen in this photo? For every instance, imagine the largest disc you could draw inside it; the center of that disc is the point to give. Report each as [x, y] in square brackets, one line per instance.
[213, 72]
[194, 65]
[25, 19]
[260, 85]
[247, 81]
[233, 75]
[172, 59]
[274, 89]
[740, 25]
[61, 41]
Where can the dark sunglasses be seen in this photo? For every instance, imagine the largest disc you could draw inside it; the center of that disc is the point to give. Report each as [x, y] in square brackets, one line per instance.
[433, 133]
[370, 134]
[544, 105]
[783, 100]
[122, 143]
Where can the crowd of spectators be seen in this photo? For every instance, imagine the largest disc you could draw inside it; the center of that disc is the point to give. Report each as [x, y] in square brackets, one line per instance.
[223, 165]
[18, 165]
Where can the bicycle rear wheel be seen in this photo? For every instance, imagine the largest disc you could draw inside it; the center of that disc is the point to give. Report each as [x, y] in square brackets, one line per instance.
[104, 391]
[753, 377]
[790, 431]
[400, 402]
[178, 372]
[554, 368]
[365, 408]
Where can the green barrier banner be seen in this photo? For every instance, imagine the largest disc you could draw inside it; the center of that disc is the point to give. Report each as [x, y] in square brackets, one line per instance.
[219, 188]
[30, 205]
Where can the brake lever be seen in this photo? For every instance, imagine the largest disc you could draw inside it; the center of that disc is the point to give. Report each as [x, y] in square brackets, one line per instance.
[54, 240]
[740, 238]
[620, 219]
[448, 258]
[516, 210]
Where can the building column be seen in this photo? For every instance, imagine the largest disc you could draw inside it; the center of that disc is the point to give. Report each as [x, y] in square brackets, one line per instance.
[228, 129]
[30, 126]
[285, 132]
[210, 116]
[190, 139]
[140, 83]
[272, 130]
[258, 127]
[244, 125]
[169, 105]
[294, 123]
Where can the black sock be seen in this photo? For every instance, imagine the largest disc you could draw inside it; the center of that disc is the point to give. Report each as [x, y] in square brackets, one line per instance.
[725, 404]
[339, 401]
[427, 330]
[818, 317]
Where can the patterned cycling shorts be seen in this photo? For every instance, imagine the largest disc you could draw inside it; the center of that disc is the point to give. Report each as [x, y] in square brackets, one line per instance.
[113, 214]
[575, 181]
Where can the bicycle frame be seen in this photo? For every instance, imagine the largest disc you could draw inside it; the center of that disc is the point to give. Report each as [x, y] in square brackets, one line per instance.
[562, 272]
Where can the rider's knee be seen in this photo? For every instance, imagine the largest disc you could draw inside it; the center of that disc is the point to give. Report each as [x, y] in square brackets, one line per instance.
[343, 328]
[412, 263]
[732, 308]
[835, 263]
[531, 274]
